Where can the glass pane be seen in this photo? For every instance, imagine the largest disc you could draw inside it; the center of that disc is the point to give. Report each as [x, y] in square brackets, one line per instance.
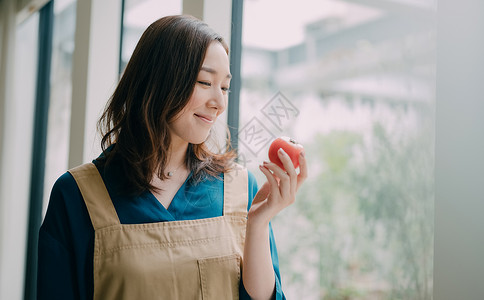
[138, 15]
[18, 133]
[354, 82]
[60, 93]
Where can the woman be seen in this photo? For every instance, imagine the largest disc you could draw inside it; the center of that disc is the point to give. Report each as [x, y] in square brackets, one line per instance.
[158, 215]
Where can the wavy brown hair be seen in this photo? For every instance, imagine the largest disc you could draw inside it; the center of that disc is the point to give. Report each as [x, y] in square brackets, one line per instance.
[156, 85]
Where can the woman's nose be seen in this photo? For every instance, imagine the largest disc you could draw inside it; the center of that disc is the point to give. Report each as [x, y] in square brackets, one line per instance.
[219, 100]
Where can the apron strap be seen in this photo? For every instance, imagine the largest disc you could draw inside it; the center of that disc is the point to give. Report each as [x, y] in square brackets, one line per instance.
[96, 196]
[236, 195]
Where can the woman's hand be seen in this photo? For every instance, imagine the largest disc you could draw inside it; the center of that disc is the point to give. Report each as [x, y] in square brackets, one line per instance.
[280, 189]
[277, 193]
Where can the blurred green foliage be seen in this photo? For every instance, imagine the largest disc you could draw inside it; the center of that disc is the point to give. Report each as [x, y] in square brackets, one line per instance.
[362, 225]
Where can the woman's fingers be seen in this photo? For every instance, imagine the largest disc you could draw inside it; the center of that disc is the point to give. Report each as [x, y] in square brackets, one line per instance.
[281, 186]
[274, 186]
[303, 170]
[290, 170]
[283, 189]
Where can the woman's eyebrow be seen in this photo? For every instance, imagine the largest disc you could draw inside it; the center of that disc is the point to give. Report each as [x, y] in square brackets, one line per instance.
[212, 71]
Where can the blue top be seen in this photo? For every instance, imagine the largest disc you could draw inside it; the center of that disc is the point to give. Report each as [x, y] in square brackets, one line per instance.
[66, 237]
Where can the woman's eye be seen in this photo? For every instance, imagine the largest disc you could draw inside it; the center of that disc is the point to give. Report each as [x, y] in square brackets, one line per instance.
[208, 84]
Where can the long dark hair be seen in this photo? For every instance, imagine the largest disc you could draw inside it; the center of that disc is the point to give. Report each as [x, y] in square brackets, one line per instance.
[156, 85]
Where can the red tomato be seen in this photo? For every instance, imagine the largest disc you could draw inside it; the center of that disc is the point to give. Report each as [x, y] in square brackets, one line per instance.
[290, 146]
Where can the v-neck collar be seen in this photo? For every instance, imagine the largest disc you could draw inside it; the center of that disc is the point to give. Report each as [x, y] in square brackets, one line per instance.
[171, 210]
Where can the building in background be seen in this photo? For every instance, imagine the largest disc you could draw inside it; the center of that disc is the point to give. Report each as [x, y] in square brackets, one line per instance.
[355, 84]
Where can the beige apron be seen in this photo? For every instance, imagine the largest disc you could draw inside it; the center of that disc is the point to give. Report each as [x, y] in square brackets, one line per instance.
[195, 259]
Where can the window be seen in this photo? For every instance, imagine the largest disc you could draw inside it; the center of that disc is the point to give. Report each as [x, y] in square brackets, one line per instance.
[60, 93]
[138, 15]
[355, 84]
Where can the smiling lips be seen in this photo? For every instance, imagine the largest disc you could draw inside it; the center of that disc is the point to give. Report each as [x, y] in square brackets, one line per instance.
[205, 118]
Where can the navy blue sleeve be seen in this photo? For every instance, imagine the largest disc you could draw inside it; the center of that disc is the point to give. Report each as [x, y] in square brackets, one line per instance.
[66, 242]
[279, 295]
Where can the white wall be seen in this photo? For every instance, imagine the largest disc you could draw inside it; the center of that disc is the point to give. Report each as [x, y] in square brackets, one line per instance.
[459, 153]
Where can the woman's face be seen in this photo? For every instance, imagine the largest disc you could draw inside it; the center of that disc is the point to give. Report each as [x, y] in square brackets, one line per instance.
[208, 100]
